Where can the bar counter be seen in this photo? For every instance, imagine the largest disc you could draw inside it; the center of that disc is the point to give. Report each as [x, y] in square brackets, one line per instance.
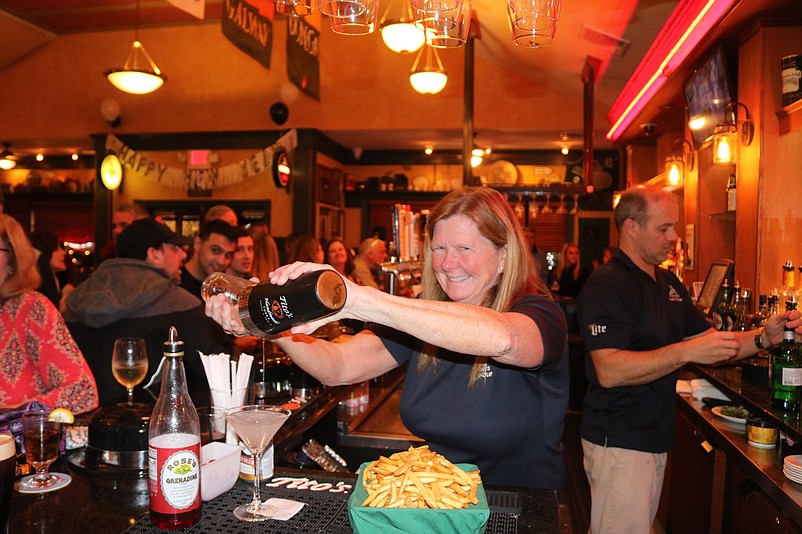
[113, 504]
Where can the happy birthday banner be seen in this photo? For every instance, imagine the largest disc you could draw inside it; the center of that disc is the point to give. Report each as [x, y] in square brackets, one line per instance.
[208, 178]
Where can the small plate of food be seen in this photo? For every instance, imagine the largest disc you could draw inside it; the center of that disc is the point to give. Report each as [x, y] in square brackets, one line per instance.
[733, 414]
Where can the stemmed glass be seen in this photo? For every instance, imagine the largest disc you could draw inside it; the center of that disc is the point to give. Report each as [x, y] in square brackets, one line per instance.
[129, 363]
[547, 207]
[256, 425]
[575, 207]
[42, 438]
[561, 207]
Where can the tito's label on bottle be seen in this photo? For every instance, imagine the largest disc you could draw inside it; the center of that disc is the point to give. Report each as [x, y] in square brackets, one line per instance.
[174, 473]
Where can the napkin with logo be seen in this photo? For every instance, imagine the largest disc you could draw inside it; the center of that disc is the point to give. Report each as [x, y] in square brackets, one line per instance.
[286, 508]
[369, 520]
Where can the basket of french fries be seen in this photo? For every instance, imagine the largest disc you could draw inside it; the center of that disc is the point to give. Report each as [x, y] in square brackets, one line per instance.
[418, 491]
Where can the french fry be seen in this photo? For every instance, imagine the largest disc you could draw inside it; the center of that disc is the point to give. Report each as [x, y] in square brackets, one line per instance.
[419, 478]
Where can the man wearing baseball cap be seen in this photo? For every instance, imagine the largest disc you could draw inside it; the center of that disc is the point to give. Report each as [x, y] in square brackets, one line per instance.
[136, 295]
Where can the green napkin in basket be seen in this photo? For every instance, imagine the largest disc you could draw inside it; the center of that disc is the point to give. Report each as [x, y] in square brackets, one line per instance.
[367, 520]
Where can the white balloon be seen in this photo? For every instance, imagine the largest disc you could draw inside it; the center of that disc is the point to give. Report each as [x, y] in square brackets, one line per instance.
[110, 109]
[288, 93]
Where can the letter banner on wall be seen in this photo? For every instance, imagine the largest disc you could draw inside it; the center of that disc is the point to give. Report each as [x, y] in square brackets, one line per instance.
[193, 7]
[303, 53]
[249, 26]
[194, 179]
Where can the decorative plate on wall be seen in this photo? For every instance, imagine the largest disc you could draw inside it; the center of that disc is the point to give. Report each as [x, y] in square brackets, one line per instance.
[502, 172]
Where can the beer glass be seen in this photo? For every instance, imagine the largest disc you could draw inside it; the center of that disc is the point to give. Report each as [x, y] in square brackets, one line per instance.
[8, 470]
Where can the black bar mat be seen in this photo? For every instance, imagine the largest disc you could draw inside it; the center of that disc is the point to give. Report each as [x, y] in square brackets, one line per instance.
[326, 513]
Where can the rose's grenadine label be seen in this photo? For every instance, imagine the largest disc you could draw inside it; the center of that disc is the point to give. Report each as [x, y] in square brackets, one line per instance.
[174, 473]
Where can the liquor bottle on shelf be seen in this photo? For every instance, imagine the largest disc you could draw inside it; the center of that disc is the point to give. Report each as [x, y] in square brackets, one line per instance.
[742, 310]
[762, 313]
[731, 195]
[786, 366]
[734, 309]
[174, 447]
[265, 308]
[719, 314]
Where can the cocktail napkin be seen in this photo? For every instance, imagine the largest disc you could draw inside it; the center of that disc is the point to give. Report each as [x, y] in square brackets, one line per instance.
[286, 508]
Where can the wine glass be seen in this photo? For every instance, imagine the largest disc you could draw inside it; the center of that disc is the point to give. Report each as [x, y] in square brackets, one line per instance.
[256, 425]
[547, 207]
[575, 207]
[129, 363]
[42, 438]
[561, 207]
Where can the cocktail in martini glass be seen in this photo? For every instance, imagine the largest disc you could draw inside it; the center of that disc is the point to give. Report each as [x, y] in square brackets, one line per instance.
[256, 425]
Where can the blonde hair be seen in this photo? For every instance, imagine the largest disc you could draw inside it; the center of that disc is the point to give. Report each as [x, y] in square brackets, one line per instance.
[265, 251]
[495, 221]
[558, 272]
[23, 275]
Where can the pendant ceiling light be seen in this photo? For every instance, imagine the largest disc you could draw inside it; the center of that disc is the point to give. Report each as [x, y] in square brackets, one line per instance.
[139, 75]
[7, 158]
[429, 78]
[398, 29]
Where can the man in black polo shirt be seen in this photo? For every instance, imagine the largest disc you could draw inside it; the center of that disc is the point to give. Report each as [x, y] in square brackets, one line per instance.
[640, 326]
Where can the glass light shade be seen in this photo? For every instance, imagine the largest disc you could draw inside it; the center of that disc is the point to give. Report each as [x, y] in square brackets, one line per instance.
[674, 170]
[725, 139]
[133, 79]
[428, 83]
[616, 198]
[401, 36]
[111, 172]
[7, 164]
[429, 78]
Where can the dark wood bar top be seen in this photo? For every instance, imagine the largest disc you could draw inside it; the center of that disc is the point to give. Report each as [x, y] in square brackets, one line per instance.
[113, 504]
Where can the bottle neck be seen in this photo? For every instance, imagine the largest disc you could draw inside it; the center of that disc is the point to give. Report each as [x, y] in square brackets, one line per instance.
[174, 379]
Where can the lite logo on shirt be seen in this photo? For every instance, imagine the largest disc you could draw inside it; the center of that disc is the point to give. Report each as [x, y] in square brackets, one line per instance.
[596, 329]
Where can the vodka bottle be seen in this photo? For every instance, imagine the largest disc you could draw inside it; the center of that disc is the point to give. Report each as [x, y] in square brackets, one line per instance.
[266, 309]
[174, 447]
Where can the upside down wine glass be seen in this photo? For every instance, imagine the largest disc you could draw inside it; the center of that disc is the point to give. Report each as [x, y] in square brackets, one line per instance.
[256, 425]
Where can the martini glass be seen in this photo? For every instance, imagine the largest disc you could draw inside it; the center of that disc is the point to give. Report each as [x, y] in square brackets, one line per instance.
[256, 425]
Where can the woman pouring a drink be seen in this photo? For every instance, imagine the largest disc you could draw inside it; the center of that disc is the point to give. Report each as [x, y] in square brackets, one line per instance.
[486, 347]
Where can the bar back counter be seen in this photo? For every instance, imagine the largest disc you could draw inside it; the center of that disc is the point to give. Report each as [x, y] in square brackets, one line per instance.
[716, 481]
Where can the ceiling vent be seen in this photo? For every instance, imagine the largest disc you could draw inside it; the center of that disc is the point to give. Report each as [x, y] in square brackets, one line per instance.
[600, 38]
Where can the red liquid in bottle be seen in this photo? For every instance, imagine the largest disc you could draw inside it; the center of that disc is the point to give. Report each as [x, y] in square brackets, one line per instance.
[175, 521]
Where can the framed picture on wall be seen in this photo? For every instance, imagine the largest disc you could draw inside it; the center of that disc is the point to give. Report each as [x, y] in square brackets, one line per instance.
[330, 222]
[329, 185]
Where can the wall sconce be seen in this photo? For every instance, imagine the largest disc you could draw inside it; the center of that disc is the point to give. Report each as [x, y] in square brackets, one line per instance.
[726, 136]
[676, 163]
[616, 198]
[111, 172]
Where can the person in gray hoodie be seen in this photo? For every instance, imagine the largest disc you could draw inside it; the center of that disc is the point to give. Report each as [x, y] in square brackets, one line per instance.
[136, 295]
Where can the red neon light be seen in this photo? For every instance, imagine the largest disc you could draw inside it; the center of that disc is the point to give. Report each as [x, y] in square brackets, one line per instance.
[685, 28]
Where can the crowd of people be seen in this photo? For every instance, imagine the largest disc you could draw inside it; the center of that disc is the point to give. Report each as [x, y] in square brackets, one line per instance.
[485, 343]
